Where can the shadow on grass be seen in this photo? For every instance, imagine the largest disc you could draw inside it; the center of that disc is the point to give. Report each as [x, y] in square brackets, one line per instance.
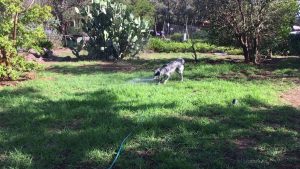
[283, 63]
[91, 68]
[58, 133]
[227, 69]
[84, 131]
[106, 67]
[235, 69]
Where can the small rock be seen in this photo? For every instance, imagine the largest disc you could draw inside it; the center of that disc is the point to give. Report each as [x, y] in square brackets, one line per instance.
[32, 51]
[30, 57]
[234, 102]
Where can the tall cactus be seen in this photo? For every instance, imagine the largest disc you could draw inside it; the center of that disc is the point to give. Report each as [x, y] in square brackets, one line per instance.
[113, 30]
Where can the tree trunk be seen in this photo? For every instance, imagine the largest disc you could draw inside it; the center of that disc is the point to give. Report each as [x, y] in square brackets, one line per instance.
[270, 54]
[246, 54]
[59, 15]
[155, 25]
[244, 44]
[249, 47]
[4, 57]
[194, 51]
[15, 29]
[256, 55]
[186, 27]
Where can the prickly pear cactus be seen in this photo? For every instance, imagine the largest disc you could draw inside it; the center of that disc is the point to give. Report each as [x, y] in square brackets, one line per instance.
[113, 31]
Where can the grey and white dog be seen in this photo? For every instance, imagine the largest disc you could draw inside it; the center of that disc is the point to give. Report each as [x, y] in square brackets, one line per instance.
[163, 73]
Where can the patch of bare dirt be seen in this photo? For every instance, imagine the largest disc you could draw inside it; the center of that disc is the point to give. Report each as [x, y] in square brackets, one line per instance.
[108, 66]
[145, 153]
[100, 66]
[292, 97]
[47, 78]
[30, 76]
[244, 143]
[61, 50]
[8, 83]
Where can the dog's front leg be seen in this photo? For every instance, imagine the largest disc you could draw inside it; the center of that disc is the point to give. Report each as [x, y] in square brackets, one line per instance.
[181, 75]
[167, 78]
[159, 80]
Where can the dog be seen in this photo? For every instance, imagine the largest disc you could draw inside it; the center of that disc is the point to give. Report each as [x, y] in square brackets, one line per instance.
[163, 73]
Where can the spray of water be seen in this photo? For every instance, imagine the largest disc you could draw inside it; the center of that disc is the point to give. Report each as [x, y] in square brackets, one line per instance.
[142, 80]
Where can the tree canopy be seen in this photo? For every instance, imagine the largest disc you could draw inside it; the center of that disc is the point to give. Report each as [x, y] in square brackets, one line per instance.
[253, 24]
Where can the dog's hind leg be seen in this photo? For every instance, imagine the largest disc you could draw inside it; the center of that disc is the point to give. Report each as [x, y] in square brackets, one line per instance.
[180, 72]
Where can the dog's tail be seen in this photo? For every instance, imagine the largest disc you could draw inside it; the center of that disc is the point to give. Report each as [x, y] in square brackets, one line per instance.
[181, 60]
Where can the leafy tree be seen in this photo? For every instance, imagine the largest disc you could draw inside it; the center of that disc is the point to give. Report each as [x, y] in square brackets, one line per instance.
[254, 24]
[21, 26]
[63, 11]
[143, 8]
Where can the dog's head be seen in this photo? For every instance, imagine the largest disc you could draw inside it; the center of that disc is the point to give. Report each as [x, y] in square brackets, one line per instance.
[180, 60]
[157, 74]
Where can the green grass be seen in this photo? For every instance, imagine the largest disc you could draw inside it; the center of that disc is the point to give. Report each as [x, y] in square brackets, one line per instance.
[76, 114]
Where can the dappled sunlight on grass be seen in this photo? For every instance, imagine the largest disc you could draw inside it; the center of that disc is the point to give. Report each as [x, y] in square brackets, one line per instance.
[79, 116]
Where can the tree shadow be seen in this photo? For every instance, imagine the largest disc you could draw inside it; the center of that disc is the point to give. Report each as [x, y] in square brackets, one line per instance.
[235, 69]
[282, 63]
[206, 68]
[57, 134]
[82, 131]
[111, 67]
[91, 68]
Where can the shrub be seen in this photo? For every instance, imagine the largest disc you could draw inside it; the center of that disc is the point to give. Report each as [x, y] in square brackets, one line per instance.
[234, 51]
[45, 44]
[3, 72]
[18, 66]
[200, 35]
[26, 35]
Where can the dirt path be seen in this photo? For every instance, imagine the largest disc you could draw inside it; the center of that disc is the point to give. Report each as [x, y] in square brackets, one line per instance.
[292, 97]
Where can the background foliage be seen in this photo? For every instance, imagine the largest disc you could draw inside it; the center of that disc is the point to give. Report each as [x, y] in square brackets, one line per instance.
[113, 30]
[21, 27]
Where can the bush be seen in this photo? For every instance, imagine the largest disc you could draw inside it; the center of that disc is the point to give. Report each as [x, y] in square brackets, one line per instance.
[18, 66]
[200, 35]
[234, 52]
[3, 72]
[177, 37]
[46, 44]
[159, 45]
[29, 32]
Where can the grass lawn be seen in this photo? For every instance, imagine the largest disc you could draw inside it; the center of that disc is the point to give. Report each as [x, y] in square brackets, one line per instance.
[76, 114]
